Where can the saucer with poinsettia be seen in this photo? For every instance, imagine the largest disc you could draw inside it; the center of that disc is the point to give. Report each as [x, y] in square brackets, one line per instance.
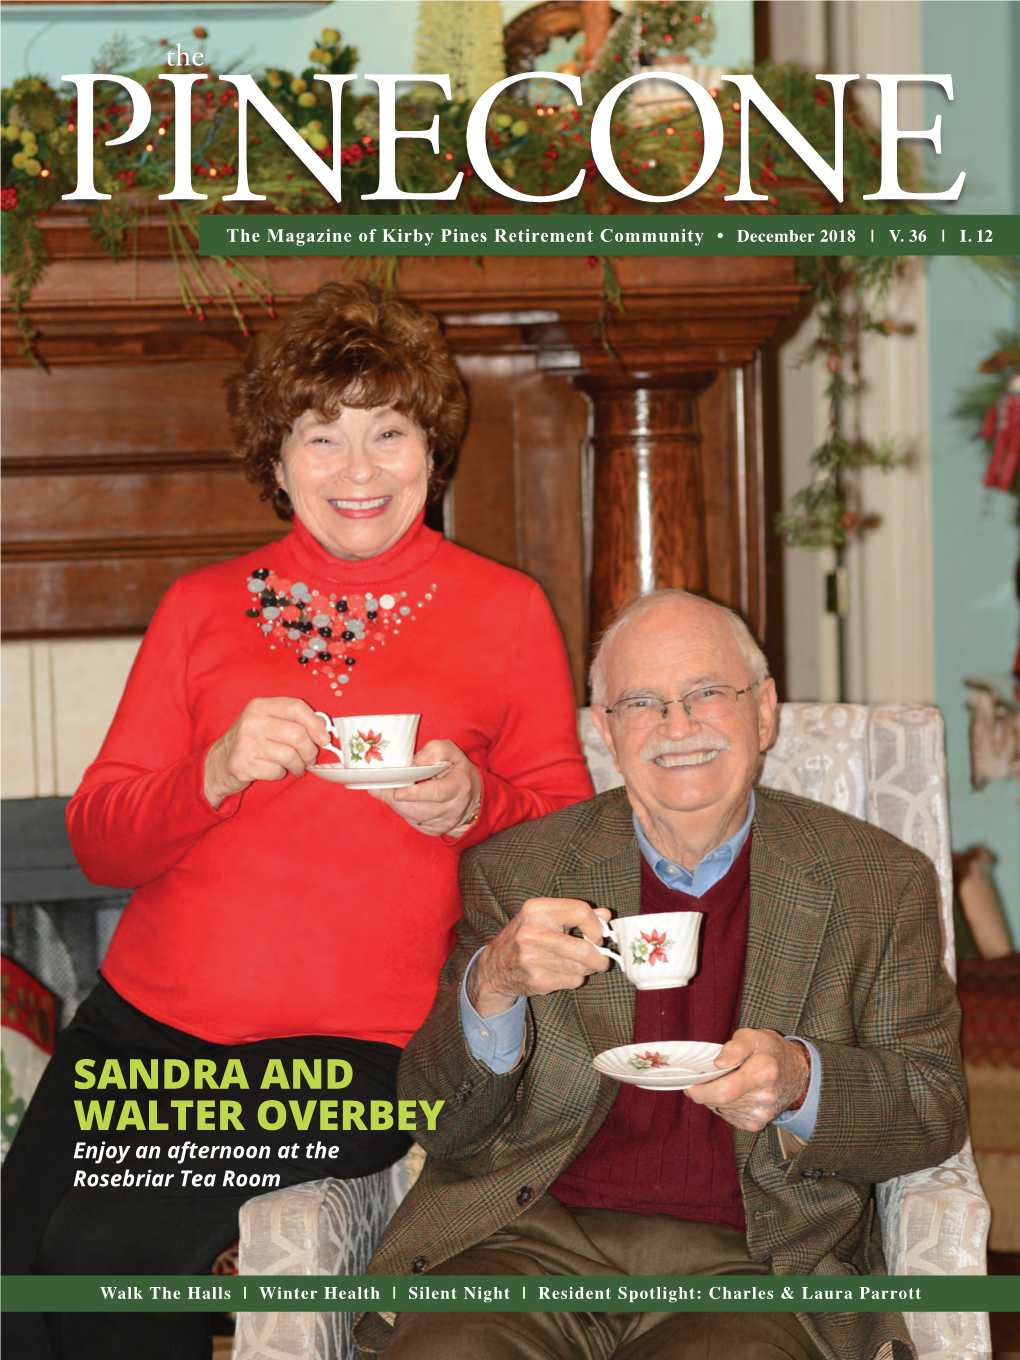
[378, 776]
[665, 1065]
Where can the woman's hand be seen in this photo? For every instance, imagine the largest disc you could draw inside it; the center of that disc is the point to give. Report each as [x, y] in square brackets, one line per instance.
[271, 739]
[443, 805]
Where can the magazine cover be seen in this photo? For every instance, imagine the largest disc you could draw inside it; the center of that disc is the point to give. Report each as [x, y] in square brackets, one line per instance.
[511, 692]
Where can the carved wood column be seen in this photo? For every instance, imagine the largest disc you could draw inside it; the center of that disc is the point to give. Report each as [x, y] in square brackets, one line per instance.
[647, 501]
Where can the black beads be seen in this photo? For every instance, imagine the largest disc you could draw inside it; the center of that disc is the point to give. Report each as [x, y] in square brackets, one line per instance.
[253, 613]
[260, 574]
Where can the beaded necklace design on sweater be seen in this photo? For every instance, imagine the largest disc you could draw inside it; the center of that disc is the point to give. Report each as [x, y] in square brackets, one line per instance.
[326, 631]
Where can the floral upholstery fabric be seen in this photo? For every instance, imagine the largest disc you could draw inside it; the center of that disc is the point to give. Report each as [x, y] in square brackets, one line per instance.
[884, 764]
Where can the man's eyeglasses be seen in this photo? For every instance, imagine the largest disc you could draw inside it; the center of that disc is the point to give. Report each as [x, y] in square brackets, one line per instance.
[711, 704]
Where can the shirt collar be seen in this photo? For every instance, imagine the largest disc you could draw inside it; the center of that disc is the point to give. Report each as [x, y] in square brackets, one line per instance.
[724, 854]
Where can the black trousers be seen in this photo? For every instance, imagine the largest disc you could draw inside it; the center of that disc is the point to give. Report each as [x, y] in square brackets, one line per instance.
[51, 1226]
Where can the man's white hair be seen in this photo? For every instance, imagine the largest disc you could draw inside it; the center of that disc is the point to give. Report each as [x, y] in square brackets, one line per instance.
[752, 653]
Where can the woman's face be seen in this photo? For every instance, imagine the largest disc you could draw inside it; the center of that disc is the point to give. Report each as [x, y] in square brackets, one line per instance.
[358, 482]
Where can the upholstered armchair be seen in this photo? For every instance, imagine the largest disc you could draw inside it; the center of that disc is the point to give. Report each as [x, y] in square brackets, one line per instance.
[884, 764]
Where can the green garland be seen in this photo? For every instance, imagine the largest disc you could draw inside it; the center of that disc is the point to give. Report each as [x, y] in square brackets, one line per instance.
[538, 150]
[535, 149]
[848, 294]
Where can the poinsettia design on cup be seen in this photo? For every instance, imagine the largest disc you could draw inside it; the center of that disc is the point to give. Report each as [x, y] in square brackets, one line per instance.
[644, 1062]
[367, 746]
[651, 948]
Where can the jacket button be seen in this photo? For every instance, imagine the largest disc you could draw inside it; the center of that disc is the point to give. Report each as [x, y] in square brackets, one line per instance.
[418, 1265]
[462, 1092]
[524, 1194]
[812, 1172]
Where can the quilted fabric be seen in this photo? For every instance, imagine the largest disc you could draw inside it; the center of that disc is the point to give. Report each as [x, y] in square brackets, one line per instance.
[886, 765]
[908, 792]
[820, 752]
[935, 1222]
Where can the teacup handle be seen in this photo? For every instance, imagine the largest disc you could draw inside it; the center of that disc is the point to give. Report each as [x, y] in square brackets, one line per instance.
[608, 933]
[330, 727]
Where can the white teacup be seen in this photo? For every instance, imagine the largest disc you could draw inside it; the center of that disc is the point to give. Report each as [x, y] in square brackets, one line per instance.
[376, 741]
[657, 950]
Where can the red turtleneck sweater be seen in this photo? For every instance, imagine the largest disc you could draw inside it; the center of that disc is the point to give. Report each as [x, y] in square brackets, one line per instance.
[301, 907]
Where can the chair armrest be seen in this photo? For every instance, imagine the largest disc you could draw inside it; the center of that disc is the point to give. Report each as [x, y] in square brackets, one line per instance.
[935, 1222]
[327, 1227]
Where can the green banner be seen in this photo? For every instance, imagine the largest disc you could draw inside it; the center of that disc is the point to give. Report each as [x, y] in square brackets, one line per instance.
[509, 1293]
[563, 234]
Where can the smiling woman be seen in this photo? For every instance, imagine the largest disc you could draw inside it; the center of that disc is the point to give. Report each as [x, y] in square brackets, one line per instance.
[276, 916]
[345, 349]
[358, 481]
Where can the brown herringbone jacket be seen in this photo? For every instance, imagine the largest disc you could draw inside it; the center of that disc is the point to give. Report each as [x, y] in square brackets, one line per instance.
[844, 948]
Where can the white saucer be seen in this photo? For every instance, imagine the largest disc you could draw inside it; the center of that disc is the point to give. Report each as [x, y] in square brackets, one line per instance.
[686, 1064]
[387, 777]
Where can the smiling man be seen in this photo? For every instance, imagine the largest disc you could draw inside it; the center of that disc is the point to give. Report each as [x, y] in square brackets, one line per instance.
[819, 971]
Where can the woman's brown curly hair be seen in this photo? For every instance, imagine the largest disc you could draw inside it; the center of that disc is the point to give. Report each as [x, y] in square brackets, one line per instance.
[346, 345]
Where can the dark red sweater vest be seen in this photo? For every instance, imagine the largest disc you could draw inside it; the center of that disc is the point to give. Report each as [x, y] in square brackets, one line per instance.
[658, 1152]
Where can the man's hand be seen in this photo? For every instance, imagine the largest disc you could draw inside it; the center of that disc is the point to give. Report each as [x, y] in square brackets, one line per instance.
[534, 955]
[774, 1075]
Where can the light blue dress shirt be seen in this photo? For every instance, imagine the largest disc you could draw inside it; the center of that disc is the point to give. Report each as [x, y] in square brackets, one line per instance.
[496, 1040]
[715, 866]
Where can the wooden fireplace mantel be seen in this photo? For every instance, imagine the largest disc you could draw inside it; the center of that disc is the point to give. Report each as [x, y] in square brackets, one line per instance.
[628, 455]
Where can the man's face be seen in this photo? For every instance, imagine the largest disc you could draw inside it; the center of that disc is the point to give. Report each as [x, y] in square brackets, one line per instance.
[683, 765]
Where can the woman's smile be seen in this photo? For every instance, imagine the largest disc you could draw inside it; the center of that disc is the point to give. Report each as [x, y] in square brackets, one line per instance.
[361, 509]
[357, 482]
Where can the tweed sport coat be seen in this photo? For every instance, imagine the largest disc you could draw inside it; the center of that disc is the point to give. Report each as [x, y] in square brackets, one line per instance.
[844, 948]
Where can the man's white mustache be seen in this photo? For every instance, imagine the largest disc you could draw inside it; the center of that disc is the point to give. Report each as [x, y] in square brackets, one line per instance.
[702, 741]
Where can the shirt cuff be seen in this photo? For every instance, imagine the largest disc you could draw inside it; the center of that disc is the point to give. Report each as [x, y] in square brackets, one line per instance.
[802, 1122]
[494, 1040]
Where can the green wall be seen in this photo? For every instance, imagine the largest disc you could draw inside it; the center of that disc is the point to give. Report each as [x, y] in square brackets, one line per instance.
[974, 540]
[240, 38]
[53, 41]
